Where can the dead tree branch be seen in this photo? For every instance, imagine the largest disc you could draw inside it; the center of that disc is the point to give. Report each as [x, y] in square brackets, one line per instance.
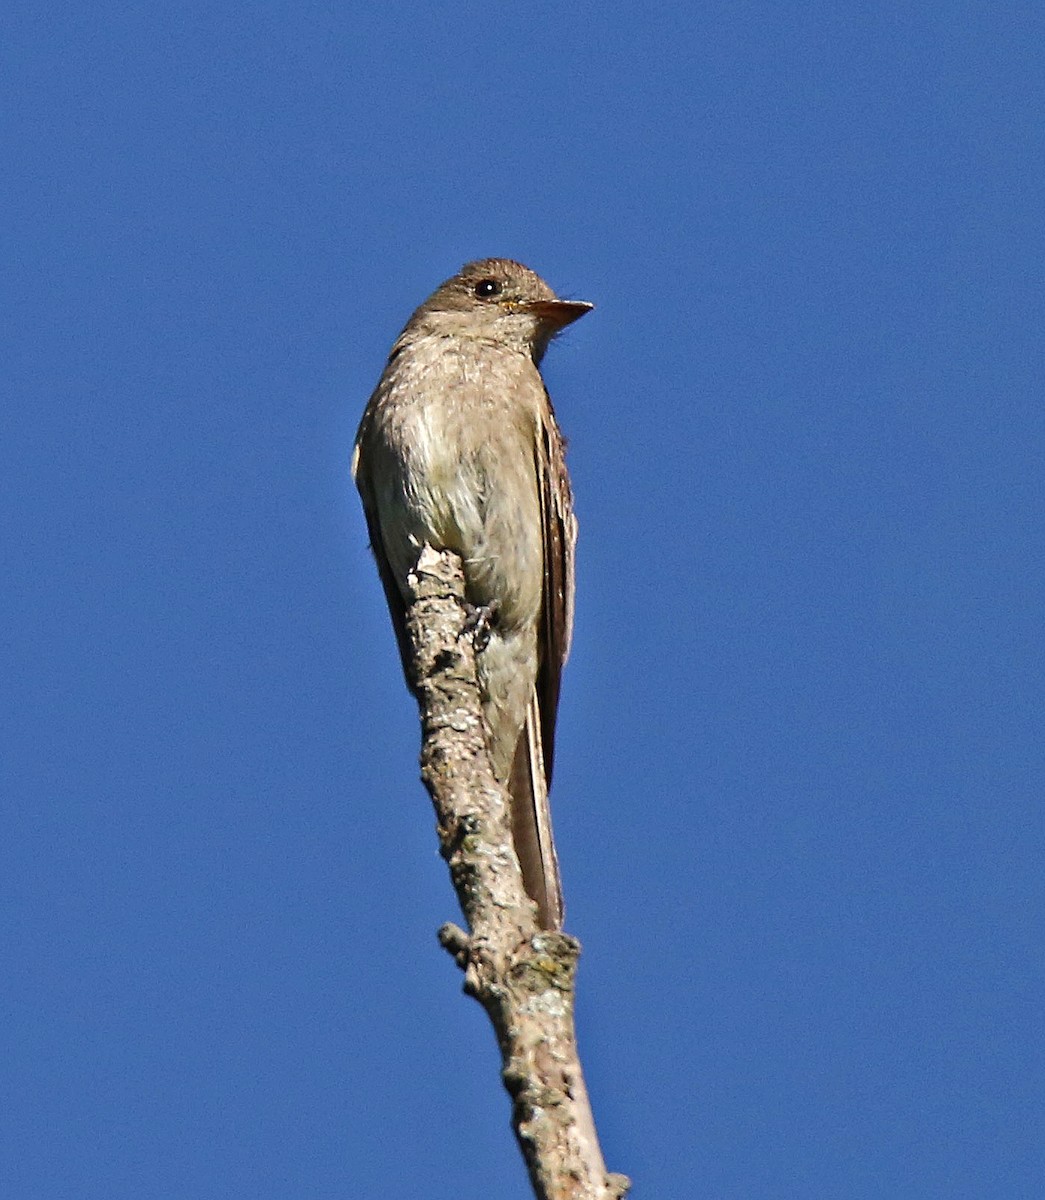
[522, 976]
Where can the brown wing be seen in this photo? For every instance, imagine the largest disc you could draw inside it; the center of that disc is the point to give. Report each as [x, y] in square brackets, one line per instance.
[396, 606]
[559, 531]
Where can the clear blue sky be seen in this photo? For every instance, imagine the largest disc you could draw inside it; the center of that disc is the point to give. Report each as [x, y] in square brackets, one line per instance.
[801, 763]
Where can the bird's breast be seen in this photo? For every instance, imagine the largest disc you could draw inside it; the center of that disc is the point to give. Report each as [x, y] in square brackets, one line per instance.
[458, 469]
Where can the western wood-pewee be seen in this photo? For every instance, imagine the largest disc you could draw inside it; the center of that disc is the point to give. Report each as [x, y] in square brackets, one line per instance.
[459, 448]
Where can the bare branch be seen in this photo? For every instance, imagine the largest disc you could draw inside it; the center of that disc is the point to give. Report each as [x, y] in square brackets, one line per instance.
[522, 976]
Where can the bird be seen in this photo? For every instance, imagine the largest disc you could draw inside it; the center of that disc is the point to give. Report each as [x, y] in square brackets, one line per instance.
[459, 448]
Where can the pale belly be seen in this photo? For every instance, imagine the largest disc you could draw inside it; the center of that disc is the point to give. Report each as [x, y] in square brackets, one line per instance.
[457, 471]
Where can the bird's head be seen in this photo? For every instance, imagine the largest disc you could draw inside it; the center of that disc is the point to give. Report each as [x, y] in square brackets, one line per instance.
[496, 299]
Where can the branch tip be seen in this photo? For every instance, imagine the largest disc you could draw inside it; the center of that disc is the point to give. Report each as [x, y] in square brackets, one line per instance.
[456, 943]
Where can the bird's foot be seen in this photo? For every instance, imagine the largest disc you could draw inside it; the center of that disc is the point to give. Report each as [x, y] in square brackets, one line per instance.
[478, 623]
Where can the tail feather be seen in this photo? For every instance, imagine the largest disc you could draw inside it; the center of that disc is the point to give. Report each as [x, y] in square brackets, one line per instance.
[532, 823]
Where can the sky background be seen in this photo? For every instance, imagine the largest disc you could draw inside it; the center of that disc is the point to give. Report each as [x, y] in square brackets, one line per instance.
[800, 762]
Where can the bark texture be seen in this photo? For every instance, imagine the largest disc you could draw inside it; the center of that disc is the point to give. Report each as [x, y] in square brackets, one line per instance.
[523, 976]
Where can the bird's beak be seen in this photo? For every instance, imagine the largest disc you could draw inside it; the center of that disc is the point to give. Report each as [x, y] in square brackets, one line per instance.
[557, 314]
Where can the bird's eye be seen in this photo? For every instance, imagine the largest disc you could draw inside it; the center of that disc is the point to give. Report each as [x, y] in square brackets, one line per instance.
[486, 288]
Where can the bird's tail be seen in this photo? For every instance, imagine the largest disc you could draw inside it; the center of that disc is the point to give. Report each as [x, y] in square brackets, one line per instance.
[532, 823]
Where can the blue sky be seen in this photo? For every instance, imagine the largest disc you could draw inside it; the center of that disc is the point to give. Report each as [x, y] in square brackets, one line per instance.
[800, 763]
